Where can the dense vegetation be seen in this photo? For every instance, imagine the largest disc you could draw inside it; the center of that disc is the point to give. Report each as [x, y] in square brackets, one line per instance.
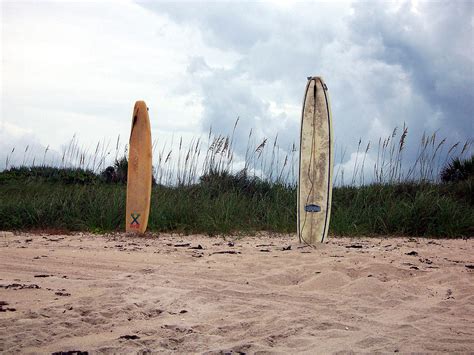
[203, 189]
[75, 199]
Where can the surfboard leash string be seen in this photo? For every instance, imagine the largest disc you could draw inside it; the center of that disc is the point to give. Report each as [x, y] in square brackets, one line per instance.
[311, 163]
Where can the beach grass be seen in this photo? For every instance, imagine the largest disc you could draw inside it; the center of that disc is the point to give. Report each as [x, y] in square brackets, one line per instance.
[413, 209]
[211, 186]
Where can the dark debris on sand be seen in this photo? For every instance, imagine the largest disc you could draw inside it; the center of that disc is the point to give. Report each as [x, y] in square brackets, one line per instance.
[129, 337]
[226, 252]
[16, 286]
[3, 307]
[355, 246]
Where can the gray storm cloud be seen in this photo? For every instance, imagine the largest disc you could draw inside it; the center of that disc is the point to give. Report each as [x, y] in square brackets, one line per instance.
[228, 96]
[433, 47]
[385, 64]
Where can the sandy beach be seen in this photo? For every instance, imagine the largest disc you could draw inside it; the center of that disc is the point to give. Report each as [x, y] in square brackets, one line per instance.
[234, 295]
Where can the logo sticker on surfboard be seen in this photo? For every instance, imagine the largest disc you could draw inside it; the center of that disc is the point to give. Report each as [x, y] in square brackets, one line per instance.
[135, 223]
[312, 208]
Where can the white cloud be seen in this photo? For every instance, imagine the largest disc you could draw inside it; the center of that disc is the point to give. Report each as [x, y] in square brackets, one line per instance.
[19, 146]
[357, 170]
[78, 68]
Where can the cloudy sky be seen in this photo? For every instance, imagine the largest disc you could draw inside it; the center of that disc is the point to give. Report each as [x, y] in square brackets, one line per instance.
[77, 67]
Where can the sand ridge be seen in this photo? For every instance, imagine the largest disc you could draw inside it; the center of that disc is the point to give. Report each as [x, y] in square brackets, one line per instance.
[260, 294]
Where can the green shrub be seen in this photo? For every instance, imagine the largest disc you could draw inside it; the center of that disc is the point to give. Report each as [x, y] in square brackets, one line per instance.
[458, 170]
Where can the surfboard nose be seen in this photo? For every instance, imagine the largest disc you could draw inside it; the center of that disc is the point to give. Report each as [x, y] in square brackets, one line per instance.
[317, 80]
[140, 105]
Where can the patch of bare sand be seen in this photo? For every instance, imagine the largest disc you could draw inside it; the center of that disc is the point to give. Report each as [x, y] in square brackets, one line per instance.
[197, 294]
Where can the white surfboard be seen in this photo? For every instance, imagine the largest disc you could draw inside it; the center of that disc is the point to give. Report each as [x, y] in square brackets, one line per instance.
[316, 164]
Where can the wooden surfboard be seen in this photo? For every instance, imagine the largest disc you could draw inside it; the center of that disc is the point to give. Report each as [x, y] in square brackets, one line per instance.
[316, 162]
[139, 177]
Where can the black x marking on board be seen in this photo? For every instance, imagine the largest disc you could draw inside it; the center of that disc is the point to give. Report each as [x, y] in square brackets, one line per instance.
[135, 218]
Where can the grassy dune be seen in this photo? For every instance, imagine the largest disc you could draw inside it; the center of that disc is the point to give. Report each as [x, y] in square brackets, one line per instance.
[219, 207]
[198, 189]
